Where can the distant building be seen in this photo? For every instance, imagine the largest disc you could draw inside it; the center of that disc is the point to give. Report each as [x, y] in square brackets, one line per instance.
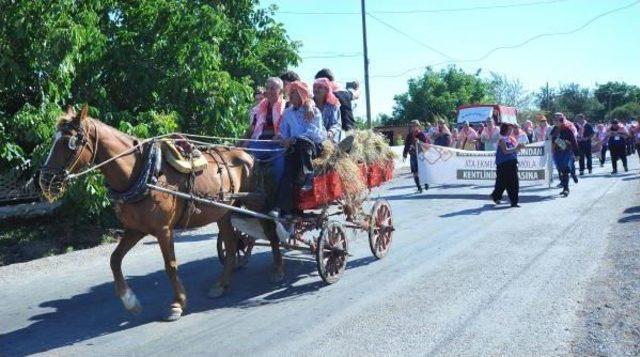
[395, 134]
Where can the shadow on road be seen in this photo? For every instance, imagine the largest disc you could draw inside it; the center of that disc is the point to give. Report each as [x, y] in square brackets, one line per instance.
[632, 218]
[635, 209]
[631, 178]
[463, 196]
[188, 238]
[99, 312]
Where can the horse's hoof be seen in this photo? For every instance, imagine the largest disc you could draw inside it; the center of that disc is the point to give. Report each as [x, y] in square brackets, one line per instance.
[216, 291]
[131, 302]
[277, 276]
[175, 312]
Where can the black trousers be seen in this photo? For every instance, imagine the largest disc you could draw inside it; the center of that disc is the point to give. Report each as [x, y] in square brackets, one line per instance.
[297, 164]
[638, 149]
[603, 153]
[507, 179]
[584, 151]
[618, 152]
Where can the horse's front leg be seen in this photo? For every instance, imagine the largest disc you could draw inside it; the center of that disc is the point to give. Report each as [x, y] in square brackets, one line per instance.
[226, 232]
[127, 241]
[165, 239]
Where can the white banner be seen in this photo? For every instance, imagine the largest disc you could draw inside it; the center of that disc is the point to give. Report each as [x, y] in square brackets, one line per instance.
[474, 114]
[445, 166]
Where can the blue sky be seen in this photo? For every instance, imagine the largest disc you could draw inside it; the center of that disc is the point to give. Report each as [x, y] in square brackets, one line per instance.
[607, 49]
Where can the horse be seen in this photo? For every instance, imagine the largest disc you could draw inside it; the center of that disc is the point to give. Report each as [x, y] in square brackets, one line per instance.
[82, 142]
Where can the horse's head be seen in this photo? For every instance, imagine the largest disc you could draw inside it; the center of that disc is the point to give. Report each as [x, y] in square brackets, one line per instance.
[72, 149]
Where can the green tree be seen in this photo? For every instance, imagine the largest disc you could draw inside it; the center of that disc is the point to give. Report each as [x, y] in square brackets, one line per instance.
[438, 94]
[625, 112]
[616, 94]
[571, 99]
[147, 67]
[509, 92]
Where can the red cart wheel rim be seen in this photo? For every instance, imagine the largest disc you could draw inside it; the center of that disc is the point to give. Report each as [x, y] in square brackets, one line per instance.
[331, 253]
[381, 229]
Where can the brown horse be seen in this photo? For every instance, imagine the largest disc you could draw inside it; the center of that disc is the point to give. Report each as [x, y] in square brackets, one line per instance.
[81, 141]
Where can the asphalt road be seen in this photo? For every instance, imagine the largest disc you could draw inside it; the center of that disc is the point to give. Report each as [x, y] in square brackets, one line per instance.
[462, 278]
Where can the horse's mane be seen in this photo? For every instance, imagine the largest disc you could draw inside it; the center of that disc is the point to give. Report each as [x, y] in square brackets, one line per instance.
[65, 119]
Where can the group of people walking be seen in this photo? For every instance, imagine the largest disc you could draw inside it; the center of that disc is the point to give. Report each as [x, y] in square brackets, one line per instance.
[569, 142]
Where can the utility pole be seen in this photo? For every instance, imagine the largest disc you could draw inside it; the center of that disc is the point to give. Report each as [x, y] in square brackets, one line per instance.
[547, 95]
[366, 64]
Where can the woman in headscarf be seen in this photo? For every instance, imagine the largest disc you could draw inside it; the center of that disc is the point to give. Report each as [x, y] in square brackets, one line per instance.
[564, 146]
[507, 166]
[521, 135]
[467, 137]
[602, 142]
[329, 106]
[265, 124]
[302, 137]
[442, 135]
[528, 129]
[490, 136]
[540, 133]
[617, 138]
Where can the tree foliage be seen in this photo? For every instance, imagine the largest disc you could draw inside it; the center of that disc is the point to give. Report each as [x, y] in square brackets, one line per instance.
[598, 104]
[625, 112]
[510, 92]
[145, 66]
[438, 94]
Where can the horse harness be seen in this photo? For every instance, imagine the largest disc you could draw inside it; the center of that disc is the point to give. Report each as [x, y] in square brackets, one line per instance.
[220, 197]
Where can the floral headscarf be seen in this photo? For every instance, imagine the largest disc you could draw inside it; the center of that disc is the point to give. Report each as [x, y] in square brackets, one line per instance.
[326, 84]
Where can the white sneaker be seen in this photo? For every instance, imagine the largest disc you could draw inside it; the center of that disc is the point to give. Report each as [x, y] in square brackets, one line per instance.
[274, 213]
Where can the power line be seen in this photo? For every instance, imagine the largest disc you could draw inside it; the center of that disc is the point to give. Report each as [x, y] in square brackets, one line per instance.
[527, 41]
[474, 8]
[423, 11]
[409, 36]
[344, 55]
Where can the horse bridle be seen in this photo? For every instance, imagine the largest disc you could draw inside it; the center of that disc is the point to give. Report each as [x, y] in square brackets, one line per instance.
[79, 138]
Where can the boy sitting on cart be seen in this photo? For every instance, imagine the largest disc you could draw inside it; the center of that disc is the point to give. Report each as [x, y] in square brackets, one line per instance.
[302, 137]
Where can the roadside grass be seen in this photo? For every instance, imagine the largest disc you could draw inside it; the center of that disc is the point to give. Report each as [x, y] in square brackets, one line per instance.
[24, 240]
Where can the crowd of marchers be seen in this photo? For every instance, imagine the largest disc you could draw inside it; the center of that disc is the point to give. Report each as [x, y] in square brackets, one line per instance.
[570, 141]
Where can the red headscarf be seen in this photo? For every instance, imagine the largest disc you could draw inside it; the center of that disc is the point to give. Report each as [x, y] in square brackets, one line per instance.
[302, 89]
[326, 84]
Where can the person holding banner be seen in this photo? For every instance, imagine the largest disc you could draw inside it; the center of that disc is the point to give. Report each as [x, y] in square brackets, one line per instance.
[416, 135]
[507, 166]
[564, 145]
[490, 136]
[467, 137]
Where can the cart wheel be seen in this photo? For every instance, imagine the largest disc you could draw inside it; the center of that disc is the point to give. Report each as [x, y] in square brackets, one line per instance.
[243, 252]
[380, 228]
[332, 251]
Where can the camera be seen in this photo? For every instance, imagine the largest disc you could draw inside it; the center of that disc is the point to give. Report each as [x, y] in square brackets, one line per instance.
[352, 85]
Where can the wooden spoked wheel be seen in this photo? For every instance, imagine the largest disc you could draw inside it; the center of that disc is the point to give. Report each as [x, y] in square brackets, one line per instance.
[243, 251]
[332, 252]
[380, 228]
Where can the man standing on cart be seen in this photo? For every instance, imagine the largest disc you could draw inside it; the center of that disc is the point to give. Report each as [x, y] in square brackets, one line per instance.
[416, 135]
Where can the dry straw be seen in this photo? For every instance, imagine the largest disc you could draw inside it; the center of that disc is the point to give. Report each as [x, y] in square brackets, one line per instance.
[368, 147]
